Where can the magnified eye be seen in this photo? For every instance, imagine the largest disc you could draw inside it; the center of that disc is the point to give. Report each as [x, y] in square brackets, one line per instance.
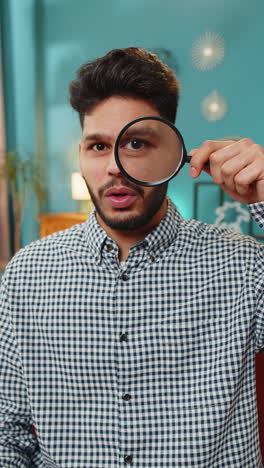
[135, 144]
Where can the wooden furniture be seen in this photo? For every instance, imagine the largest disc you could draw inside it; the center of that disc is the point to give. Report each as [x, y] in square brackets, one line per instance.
[2, 265]
[54, 222]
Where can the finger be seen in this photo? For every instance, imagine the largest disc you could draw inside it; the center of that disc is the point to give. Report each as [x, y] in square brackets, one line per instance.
[193, 172]
[240, 152]
[231, 167]
[247, 177]
[221, 171]
[203, 154]
[219, 150]
[193, 151]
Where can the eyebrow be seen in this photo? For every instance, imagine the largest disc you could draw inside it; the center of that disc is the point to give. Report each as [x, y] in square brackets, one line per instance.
[96, 136]
[142, 131]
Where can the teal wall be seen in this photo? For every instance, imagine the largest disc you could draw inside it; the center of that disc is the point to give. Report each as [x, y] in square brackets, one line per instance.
[20, 64]
[52, 38]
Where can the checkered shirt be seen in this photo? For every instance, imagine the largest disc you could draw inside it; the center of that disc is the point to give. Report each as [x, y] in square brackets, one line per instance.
[148, 364]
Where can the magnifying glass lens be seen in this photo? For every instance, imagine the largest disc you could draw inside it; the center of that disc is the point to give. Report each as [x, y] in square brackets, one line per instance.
[150, 151]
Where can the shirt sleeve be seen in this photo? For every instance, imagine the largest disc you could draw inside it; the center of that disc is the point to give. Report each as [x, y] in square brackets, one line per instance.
[259, 290]
[17, 442]
[257, 212]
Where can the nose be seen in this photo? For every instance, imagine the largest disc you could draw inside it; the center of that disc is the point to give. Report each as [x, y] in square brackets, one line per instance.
[112, 167]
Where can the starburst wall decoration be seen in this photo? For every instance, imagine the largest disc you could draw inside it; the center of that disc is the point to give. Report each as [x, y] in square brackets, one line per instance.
[208, 51]
[214, 106]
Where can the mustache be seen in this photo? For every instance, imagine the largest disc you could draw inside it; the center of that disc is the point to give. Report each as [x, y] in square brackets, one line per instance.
[119, 183]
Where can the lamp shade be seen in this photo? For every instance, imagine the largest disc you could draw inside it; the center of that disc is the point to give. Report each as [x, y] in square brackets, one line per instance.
[79, 189]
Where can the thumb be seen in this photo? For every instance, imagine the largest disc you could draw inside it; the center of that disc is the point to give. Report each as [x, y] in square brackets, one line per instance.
[193, 171]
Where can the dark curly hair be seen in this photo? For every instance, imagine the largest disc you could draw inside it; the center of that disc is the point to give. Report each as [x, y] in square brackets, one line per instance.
[130, 72]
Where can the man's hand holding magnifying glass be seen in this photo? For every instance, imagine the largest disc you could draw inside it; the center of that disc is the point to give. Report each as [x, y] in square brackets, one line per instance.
[150, 151]
[237, 166]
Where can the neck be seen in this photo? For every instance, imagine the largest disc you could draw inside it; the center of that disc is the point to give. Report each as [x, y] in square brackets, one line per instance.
[125, 239]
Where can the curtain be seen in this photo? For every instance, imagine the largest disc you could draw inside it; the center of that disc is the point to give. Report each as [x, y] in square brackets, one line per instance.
[5, 253]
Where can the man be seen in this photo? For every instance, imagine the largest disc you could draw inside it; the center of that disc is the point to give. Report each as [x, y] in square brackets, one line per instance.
[130, 339]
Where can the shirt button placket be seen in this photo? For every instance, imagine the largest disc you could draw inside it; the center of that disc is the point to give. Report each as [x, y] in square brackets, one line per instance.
[128, 459]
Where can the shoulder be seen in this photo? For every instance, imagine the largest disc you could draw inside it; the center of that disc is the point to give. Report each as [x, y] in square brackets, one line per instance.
[47, 249]
[202, 234]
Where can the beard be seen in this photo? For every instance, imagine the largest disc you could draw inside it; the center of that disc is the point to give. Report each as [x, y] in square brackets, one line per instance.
[152, 203]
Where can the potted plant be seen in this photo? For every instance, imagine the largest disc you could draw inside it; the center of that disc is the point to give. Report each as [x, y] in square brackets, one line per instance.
[21, 174]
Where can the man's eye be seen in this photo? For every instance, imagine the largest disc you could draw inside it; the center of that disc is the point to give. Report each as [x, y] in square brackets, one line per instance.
[135, 144]
[98, 146]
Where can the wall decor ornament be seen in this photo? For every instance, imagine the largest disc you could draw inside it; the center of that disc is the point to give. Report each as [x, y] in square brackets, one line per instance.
[214, 106]
[208, 51]
[209, 191]
[240, 213]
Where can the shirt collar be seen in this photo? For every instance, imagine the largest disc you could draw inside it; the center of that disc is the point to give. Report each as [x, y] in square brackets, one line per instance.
[157, 239]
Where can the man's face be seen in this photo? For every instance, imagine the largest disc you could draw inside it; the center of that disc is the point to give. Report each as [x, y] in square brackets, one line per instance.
[119, 203]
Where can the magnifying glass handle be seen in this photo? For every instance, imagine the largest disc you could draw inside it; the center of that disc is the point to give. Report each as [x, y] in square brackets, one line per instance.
[206, 165]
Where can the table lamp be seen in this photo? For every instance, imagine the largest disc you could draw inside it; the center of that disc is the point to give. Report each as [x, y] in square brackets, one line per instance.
[80, 193]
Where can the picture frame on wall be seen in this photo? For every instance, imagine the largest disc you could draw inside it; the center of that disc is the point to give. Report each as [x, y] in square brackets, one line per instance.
[209, 197]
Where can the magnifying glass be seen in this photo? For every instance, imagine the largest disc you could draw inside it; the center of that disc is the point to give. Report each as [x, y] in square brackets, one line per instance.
[150, 151]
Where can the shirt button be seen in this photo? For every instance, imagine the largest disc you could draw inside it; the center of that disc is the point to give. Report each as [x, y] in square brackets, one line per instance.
[126, 397]
[124, 277]
[152, 258]
[109, 247]
[128, 459]
[123, 336]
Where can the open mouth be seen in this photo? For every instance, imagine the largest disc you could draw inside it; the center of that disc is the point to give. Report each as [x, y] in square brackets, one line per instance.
[120, 197]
